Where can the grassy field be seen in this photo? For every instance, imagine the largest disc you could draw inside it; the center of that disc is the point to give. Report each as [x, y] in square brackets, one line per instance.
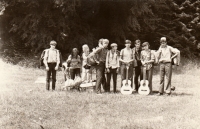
[26, 105]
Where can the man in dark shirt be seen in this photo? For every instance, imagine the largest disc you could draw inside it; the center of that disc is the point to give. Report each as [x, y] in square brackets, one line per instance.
[101, 53]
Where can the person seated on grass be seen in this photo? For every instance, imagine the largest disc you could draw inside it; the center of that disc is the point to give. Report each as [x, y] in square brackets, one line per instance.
[74, 63]
[112, 66]
[147, 59]
[166, 55]
[51, 61]
[86, 70]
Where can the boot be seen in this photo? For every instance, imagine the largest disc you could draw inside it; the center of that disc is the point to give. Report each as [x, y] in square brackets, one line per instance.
[47, 85]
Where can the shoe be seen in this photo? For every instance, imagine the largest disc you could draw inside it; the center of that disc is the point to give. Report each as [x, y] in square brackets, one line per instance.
[159, 94]
[173, 88]
[167, 94]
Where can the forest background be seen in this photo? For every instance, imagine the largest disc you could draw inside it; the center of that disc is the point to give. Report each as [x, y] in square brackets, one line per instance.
[27, 26]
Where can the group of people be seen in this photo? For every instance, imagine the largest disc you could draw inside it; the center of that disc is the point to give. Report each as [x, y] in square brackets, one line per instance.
[139, 58]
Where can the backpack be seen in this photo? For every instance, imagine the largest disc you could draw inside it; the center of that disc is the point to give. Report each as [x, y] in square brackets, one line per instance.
[42, 57]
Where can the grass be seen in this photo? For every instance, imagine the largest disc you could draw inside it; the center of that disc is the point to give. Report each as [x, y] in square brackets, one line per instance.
[26, 105]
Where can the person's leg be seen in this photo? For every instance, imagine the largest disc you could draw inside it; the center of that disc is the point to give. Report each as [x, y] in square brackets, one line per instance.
[99, 77]
[150, 75]
[84, 74]
[168, 68]
[48, 74]
[103, 77]
[130, 74]
[123, 73]
[53, 76]
[136, 76]
[72, 74]
[162, 78]
[108, 80]
[114, 73]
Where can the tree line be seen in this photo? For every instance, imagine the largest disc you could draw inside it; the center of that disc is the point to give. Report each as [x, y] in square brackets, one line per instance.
[27, 26]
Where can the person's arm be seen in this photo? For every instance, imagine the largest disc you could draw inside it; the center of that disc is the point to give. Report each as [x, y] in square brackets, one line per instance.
[121, 54]
[152, 58]
[107, 58]
[57, 58]
[96, 52]
[142, 58]
[45, 58]
[174, 51]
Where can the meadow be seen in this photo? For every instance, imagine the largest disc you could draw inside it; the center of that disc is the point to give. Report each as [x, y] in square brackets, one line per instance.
[27, 105]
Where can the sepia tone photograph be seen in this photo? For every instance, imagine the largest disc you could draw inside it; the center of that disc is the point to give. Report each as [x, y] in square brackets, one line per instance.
[99, 64]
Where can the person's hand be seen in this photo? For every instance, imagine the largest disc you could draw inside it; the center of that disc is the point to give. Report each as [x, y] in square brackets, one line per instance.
[56, 68]
[117, 70]
[47, 68]
[97, 62]
[108, 70]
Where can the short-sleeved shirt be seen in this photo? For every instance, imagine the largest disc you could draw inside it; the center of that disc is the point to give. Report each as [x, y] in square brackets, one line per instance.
[75, 62]
[126, 55]
[52, 56]
[166, 53]
[147, 56]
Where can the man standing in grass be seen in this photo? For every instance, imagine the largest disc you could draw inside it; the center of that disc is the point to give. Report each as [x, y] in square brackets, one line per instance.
[137, 65]
[126, 58]
[51, 61]
[112, 66]
[166, 54]
[101, 53]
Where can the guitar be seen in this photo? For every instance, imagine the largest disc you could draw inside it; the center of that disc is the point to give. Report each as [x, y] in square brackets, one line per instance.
[126, 88]
[144, 84]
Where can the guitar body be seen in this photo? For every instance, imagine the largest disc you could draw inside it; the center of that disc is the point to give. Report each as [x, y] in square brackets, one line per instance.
[144, 87]
[126, 88]
[126, 85]
[144, 84]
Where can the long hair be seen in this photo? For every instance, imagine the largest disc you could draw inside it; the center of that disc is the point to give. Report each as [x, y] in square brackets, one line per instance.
[72, 53]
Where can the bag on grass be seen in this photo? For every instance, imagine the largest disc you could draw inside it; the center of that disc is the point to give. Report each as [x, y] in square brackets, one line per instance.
[77, 81]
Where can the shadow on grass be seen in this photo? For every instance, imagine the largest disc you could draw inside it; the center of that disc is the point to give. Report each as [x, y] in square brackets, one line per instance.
[175, 93]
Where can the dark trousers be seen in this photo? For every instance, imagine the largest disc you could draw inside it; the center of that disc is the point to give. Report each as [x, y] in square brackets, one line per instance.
[123, 72]
[137, 74]
[149, 76]
[165, 69]
[75, 72]
[113, 73]
[51, 72]
[100, 77]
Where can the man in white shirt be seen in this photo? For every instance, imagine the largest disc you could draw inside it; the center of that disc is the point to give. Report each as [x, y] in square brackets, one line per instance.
[51, 61]
[126, 58]
[112, 67]
[166, 54]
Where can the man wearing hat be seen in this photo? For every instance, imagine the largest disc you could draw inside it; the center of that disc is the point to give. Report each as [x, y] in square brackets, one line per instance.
[126, 58]
[112, 67]
[51, 61]
[166, 54]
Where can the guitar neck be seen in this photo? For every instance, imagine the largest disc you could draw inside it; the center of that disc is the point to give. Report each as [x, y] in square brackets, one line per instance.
[144, 73]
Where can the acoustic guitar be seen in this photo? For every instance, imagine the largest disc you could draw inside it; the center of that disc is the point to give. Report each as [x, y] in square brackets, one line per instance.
[144, 84]
[126, 84]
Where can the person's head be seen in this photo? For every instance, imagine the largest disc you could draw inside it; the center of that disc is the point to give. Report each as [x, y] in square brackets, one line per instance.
[137, 43]
[53, 44]
[127, 43]
[145, 46]
[113, 46]
[163, 42]
[74, 53]
[101, 42]
[105, 43]
[85, 48]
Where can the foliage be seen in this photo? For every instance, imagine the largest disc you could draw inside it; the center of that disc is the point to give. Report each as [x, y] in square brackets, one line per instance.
[28, 26]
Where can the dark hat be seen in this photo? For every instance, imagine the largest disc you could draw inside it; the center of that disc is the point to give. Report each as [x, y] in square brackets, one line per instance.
[127, 41]
[53, 43]
[145, 44]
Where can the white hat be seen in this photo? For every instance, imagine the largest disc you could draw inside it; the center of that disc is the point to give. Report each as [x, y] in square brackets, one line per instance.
[113, 45]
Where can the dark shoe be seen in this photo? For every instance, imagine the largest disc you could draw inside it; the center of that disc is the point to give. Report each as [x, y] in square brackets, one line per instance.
[159, 94]
[167, 94]
[173, 88]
